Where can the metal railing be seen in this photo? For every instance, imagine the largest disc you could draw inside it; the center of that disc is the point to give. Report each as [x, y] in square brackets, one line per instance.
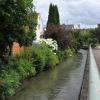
[94, 78]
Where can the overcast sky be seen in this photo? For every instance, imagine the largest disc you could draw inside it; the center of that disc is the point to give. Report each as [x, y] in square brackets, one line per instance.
[72, 11]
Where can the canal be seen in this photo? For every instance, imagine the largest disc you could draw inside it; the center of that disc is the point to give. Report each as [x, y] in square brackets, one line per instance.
[61, 83]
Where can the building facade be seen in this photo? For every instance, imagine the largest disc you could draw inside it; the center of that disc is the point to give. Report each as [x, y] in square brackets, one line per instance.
[39, 29]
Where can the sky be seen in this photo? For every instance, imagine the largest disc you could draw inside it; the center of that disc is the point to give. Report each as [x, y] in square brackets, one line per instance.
[72, 11]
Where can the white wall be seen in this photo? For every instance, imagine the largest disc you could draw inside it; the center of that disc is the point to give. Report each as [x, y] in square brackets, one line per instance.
[39, 29]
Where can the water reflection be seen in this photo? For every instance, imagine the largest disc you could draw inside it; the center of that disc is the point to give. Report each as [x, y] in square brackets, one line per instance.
[61, 83]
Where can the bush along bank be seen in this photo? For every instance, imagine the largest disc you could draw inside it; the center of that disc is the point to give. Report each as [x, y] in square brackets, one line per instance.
[32, 61]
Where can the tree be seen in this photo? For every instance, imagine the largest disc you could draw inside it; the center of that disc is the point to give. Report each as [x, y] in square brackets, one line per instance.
[15, 15]
[77, 39]
[57, 21]
[53, 17]
[97, 33]
[49, 17]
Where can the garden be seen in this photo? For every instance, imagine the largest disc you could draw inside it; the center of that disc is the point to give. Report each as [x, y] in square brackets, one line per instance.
[18, 24]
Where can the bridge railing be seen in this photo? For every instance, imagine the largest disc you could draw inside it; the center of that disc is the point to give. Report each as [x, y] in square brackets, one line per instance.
[94, 78]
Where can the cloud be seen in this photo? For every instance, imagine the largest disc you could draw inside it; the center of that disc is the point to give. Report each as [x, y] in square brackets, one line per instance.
[72, 11]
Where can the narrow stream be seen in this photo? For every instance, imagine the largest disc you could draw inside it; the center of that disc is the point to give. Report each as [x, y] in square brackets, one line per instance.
[61, 83]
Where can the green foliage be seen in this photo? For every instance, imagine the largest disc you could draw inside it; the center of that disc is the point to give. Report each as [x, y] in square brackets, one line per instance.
[69, 52]
[57, 15]
[50, 57]
[89, 37]
[61, 55]
[41, 56]
[53, 17]
[25, 68]
[84, 37]
[15, 15]
[77, 39]
[52, 60]
[93, 41]
[35, 55]
[8, 83]
[13, 73]
[97, 33]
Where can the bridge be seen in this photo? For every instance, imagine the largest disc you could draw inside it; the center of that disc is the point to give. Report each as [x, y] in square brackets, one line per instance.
[90, 89]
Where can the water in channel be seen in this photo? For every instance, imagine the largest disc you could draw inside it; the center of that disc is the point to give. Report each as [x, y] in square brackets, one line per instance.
[61, 83]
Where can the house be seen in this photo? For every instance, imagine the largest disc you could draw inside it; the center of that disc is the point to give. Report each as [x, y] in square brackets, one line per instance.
[68, 26]
[39, 29]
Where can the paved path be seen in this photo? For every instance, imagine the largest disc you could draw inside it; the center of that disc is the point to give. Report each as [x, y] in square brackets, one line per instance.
[97, 57]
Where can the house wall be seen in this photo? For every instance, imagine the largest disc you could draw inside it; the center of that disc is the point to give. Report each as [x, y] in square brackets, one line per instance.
[39, 29]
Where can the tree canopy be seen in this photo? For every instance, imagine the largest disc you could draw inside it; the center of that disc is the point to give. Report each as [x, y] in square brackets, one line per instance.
[15, 16]
[97, 33]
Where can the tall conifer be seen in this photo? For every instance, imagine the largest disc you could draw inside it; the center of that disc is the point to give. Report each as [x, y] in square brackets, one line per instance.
[57, 16]
[53, 16]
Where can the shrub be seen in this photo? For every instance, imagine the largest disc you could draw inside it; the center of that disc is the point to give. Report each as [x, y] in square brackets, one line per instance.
[60, 34]
[12, 73]
[9, 82]
[36, 56]
[77, 39]
[41, 56]
[97, 33]
[51, 57]
[61, 55]
[25, 68]
[69, 52]
[52, 60]
[50, 43]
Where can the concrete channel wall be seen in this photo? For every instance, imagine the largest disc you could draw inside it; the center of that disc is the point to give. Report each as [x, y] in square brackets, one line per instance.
[84, 88]
[90, 89]
[94, 78]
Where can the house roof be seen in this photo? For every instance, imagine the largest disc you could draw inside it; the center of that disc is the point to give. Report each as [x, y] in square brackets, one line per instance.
[68, 27]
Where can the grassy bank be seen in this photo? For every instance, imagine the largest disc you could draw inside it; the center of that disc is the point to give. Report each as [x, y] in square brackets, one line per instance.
[26, 65]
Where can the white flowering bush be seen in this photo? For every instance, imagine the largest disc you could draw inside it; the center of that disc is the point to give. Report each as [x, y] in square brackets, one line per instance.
[50, 42]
